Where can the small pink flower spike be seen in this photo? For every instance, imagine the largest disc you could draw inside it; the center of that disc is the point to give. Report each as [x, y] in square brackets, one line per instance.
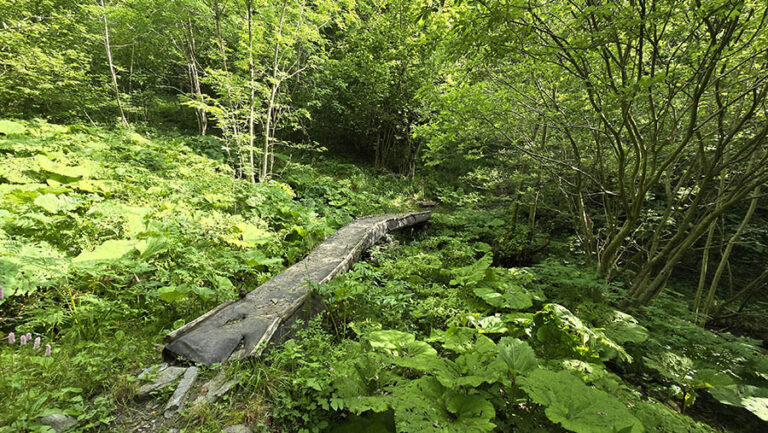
[1, 293]
[23, 340]
[37, 343]
[47, 350]
[29, 336]
[11, 338]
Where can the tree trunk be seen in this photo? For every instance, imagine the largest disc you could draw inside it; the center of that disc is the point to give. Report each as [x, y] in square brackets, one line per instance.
[264, 176]
[726, 254]
[703, 270]
[108, 48]
[252, 98]
[276, 79]
[194, 76]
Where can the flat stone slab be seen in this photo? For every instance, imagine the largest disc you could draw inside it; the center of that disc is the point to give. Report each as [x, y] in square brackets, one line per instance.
[243, 328]
[237, 428]
[58, 422]
[215, 388]
[157, 368]
[179, 397]
[164, 378]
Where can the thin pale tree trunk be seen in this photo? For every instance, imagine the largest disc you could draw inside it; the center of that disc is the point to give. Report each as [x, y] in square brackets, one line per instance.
[264, 175]
[194, 77]
[108, 48]
[252, 100]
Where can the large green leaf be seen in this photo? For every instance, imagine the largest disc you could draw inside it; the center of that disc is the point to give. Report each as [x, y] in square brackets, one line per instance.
[390, 340]
[405, 351]
[624, 328]
[108, 251]
[515, 299]
[424, 405]
[63, 173]
[56, 204]
[172, 294]
[658, 417]
[257, 259]
[489, 325]
[752, 398]
[9, 127]
[371, 423]
[24, 268]
[517, 354]
[576, 406]
[472, 274]
[457, 339]
[151, 247]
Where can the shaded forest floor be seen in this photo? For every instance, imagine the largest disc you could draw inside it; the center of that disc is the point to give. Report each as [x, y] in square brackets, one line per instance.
[110, 239]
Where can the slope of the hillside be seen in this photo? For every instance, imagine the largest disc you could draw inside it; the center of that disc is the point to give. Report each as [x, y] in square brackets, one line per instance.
[109, 238]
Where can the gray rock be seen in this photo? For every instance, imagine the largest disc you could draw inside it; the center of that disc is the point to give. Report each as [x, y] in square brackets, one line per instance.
[427, 203]
[157, 368]
[237, 428]
[58, 421]
[179, 397]
[215, 388]
[165, 378]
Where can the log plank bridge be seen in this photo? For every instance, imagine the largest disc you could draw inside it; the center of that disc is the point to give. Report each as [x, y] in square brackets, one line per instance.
[239, 329]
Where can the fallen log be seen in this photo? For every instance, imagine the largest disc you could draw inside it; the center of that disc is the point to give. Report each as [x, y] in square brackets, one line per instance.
[243, 328]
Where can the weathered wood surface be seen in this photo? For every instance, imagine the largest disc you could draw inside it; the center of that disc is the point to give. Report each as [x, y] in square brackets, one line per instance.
[243, 328]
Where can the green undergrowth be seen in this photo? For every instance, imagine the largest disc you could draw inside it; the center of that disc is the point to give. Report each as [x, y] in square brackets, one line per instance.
[427, 335]
[110, 239]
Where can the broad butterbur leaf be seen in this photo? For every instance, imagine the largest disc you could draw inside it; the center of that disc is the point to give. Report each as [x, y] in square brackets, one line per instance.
[513, 299]
[63, 173]
[749, 397]
[576, 406]
[249, 236]
[172, 294]
[56, 204]
[517, 354]
[257, 259]
[489, 325]
[457, 339]
[424, 405]
[151, 247]
[472, 274]
[658, 417]
[390, 340]
[8, 127]
[108, 251]
[624, 328]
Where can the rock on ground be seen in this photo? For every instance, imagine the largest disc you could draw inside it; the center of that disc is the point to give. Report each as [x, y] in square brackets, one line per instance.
[165, 378]
[157, 368]
[59, 422]
[237, 428]
[179, 397]
[215, 388]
